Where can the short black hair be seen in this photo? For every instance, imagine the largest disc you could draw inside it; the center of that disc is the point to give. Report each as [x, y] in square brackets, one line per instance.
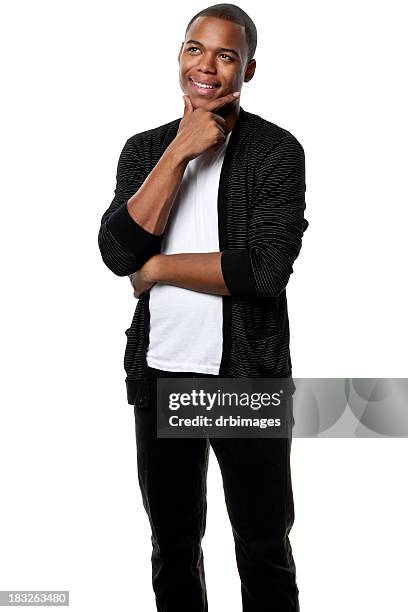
[232, 12]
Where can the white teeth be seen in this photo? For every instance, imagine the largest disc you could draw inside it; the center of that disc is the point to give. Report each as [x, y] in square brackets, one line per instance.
[204, 86]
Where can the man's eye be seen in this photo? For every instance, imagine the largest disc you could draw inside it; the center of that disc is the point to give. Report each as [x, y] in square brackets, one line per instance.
[222, 54]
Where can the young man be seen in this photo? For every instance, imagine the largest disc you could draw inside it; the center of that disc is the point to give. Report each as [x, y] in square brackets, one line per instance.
[207, 220]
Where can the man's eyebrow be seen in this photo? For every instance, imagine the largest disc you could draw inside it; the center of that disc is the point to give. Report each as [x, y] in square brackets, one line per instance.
[197, 42]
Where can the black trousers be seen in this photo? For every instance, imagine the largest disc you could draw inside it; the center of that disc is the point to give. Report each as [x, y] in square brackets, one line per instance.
[258, 494]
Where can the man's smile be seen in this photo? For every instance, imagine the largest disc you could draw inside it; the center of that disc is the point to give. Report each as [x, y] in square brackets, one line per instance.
[204, 87]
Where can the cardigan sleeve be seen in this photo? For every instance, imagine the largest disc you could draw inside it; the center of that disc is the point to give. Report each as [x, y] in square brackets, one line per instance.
[276, 226]
[124, 244]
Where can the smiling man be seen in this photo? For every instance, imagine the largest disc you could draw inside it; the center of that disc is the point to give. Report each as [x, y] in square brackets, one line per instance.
[207, 221]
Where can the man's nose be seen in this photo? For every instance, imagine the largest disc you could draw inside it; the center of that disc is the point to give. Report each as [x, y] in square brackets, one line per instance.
[207, 65]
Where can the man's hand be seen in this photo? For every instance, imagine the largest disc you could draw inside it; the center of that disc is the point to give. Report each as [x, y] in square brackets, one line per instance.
[202, 128]
[142, 279]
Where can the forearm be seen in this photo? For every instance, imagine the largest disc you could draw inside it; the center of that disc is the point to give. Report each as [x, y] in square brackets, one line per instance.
[125, 244]
[196, 271]
[150, 206]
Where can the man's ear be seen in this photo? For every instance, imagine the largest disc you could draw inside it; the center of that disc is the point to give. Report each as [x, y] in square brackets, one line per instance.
[250, 70]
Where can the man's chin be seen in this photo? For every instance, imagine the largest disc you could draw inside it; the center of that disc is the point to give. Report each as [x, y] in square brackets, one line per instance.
[200, 99]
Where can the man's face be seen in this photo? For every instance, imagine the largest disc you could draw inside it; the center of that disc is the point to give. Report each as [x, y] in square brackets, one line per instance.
[214, 52]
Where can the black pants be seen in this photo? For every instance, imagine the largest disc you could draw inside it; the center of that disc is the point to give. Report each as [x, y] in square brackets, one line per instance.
[258, 494]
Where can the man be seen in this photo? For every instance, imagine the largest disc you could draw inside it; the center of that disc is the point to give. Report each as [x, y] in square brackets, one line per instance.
[207, 220]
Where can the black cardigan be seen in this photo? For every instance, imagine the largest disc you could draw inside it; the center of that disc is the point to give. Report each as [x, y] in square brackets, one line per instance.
[261, 203]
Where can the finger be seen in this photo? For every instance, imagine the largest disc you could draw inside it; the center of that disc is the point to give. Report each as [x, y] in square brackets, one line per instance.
[188, 106]
[220, 140]
[222, 132]
[219, 102]
[133, 279]
[220, 120]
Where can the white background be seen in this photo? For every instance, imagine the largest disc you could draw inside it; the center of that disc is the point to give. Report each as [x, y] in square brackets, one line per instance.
[78, 79]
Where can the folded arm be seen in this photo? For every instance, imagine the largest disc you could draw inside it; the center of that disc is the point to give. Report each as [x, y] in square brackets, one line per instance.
[277, 225]
[196, 271]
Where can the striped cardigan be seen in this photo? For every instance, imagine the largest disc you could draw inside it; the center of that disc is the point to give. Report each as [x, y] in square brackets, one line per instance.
[261, 203]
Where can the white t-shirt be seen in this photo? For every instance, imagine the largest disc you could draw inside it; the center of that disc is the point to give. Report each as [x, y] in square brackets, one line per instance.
[186, 325]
